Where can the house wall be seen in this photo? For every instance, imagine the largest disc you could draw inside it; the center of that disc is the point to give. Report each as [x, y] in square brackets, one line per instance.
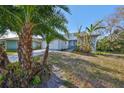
[56, 45]
[36, 45]
[62, 44]
[53, 45]
[43, 44]
[11, 44]
[72, 36]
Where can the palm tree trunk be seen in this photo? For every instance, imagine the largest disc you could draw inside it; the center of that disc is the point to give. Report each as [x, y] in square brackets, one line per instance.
[46, 55]
[25, 46]
[3, 58]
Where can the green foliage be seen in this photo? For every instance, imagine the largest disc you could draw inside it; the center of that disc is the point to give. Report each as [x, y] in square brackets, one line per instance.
[94, 27]
[1, 79]
[116, 45]
[84, 42]
[15, 76]
[101, 53]
[36, 80]
[85, 38]
[40, 20]
[36, 58]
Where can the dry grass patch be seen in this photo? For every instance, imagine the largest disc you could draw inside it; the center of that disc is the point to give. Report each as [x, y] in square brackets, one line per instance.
[90, 71]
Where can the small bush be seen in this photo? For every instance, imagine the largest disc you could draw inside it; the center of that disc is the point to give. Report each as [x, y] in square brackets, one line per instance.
[101, 53]
[36, 58]
[36, 80]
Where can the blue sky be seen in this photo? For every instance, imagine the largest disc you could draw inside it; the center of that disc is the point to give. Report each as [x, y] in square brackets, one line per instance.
[85, 15]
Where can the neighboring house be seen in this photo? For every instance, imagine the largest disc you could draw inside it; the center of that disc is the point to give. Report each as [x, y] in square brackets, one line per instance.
[11, 43]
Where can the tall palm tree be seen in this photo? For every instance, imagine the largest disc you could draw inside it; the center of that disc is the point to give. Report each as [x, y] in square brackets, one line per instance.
[21, 19]
[92, 29]
[53, 29]
[24, 20]
[95, 27]
[85, 38]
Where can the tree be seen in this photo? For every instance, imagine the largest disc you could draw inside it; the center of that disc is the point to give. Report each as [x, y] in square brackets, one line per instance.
[114, 45]
[51, 30]
[4, 61]
[49, 38]
[95, 27]
[115, 22]
[24, 20]
[86, 40]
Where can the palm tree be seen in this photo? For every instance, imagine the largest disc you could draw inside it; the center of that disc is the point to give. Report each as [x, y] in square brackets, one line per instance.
[85, 38]
[3, 55]
[51, 30]
[49, 38]
[95, 27]
[92, 29]
[21, 19]
[24, 20]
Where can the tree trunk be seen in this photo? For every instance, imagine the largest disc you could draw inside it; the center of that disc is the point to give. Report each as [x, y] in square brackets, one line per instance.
[19, 52]
[45, 55]
[25, 46]
[3, 58]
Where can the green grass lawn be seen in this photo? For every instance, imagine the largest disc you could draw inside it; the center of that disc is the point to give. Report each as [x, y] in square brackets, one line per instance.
[11, 52]
[89, 71]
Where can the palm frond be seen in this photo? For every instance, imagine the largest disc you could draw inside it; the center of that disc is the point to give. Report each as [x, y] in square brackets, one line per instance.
[98, 23]
[65, 8]
[97, 28]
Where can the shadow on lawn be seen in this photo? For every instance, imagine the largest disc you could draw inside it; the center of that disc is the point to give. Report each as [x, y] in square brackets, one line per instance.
[98, 78]
[56, 82]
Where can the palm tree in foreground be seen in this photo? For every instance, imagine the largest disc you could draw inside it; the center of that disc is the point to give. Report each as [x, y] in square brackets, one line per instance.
[3, 55]
[25, 20]
[22, 20]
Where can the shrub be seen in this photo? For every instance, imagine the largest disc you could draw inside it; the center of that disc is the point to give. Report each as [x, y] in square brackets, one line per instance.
[15, 76]
[36, 80]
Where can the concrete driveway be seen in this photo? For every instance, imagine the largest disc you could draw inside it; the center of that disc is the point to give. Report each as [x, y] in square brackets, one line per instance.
[14, 57]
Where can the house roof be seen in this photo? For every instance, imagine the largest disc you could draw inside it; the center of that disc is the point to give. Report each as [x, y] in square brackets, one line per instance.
[9, 38]
[13, 36]
[16, 38]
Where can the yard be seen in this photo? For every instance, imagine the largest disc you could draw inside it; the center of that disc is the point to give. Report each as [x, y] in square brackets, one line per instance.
[89, 71]
[11, 52]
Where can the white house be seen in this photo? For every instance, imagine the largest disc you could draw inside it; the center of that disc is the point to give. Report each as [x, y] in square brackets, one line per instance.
[71, 43]
[61, 45]
[56, 45]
